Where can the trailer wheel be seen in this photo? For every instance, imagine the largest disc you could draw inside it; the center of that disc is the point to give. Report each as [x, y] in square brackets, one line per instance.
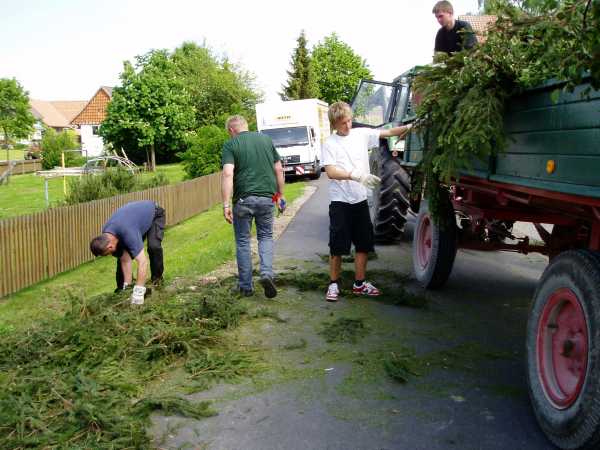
[563, 350]
[434, 248]
[389, 205]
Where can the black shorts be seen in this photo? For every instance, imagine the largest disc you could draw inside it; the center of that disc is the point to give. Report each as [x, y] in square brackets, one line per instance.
[350, 224]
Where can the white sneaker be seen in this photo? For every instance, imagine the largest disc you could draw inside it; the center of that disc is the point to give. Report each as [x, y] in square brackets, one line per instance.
[365, 289]
[137, 301]
[333, 292]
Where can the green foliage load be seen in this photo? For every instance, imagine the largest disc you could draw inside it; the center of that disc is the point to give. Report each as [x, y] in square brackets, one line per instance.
[302, 78]
[338, 69]
[110, 183]
[92, 378]
[203, 154]
[463, 98]
[54, 144]
[16, 120]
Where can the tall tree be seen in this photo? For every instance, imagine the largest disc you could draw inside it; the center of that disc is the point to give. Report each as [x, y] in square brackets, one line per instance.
[217, 88]
[151, 112]
[338, 69]
[16, 120]
[302, 81]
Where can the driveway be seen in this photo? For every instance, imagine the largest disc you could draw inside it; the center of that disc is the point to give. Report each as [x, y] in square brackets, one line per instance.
[464, 352]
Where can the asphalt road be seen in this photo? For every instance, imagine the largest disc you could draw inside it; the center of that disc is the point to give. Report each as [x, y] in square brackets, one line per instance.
[474, 395]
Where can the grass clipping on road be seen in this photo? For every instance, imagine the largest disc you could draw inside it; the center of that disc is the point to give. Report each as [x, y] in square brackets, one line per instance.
[90, 379]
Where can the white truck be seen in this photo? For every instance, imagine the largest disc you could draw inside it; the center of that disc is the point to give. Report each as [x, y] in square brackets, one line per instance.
[298, 129]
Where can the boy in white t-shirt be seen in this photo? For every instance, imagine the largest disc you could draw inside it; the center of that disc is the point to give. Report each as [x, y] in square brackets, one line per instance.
[346, 161]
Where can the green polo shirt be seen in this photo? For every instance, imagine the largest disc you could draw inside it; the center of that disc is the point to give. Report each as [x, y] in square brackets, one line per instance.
[253, 155]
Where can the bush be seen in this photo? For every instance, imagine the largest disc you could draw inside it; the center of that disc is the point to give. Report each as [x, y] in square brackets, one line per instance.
[158, 179]
[121, 179]
[93, 187]
[88, 188]
[53, 144]
[203, 155]
[109, 183]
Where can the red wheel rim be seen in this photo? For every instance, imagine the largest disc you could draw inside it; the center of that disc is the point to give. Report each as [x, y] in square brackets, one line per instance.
[562, 348]
[424, 242]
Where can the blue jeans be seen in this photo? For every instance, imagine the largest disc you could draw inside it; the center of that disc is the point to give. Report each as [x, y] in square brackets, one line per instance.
[244, 210]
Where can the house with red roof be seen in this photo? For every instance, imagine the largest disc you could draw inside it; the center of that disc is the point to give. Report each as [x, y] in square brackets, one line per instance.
[480, 25]
[89, 119]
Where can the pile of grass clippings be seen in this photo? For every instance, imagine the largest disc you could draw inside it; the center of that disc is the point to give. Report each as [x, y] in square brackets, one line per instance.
[344, 329]
[88, 379]
[390, 283]
[401, 366]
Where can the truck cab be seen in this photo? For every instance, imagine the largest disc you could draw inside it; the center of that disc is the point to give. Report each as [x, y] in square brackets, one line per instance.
[297, 148]
[298, 129]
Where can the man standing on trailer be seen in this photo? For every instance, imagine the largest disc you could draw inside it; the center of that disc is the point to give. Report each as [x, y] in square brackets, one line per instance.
[454, 35]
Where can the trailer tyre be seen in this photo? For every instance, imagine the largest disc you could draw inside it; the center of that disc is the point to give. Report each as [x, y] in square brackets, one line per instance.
[563, 350]
[389, 204]
[434, 248]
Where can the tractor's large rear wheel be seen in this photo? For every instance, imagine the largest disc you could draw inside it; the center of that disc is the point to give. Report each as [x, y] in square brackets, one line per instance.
[389, 204]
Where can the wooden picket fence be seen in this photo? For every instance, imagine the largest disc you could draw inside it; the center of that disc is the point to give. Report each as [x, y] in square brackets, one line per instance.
[38, 246]
[23, 166]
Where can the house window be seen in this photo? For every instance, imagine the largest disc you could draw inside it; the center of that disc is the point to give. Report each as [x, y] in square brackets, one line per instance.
[95, 130]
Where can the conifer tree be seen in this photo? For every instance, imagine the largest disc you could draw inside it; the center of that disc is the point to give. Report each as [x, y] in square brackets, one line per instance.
[301, 78]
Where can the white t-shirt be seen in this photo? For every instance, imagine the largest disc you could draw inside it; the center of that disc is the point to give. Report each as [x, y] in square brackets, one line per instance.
[348, 153]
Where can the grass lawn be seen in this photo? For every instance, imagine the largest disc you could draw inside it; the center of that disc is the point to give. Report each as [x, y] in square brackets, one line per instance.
[25, 193]
[193, 247]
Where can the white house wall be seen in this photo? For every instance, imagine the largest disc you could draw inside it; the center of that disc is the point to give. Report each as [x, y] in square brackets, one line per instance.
[90, 143]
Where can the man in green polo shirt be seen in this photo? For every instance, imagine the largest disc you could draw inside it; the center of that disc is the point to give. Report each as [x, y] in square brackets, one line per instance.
[253, 172]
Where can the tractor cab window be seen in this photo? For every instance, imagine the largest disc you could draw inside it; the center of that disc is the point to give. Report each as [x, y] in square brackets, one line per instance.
[373, 103]
[402, 103]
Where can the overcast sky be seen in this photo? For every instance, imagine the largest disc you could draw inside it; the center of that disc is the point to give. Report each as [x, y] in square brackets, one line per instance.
[67, 49]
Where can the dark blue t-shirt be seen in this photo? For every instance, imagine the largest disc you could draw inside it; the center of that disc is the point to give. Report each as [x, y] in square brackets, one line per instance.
[130, 223]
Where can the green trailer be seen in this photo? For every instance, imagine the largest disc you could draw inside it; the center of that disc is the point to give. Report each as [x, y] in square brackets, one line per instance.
[548, 174]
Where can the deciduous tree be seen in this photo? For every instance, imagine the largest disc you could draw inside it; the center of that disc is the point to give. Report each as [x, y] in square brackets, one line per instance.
[217, 88]
[16, 120]
[54, 144]
[151, 112]
[338, 69]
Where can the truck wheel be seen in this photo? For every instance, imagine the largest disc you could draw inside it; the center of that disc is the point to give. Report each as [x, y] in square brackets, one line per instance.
[317, 174]
[563, 350]
[434, 248]
[389, 206]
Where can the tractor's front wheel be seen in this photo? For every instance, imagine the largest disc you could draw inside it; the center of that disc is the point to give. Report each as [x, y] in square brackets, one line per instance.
[563, 350]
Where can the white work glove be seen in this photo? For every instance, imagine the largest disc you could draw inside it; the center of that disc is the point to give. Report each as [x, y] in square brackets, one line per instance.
[366, 179]
[137, 297]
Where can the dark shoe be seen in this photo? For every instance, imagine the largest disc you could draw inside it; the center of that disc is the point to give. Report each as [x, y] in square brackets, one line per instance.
[157, 282]
[268, 286]
[242, 292]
